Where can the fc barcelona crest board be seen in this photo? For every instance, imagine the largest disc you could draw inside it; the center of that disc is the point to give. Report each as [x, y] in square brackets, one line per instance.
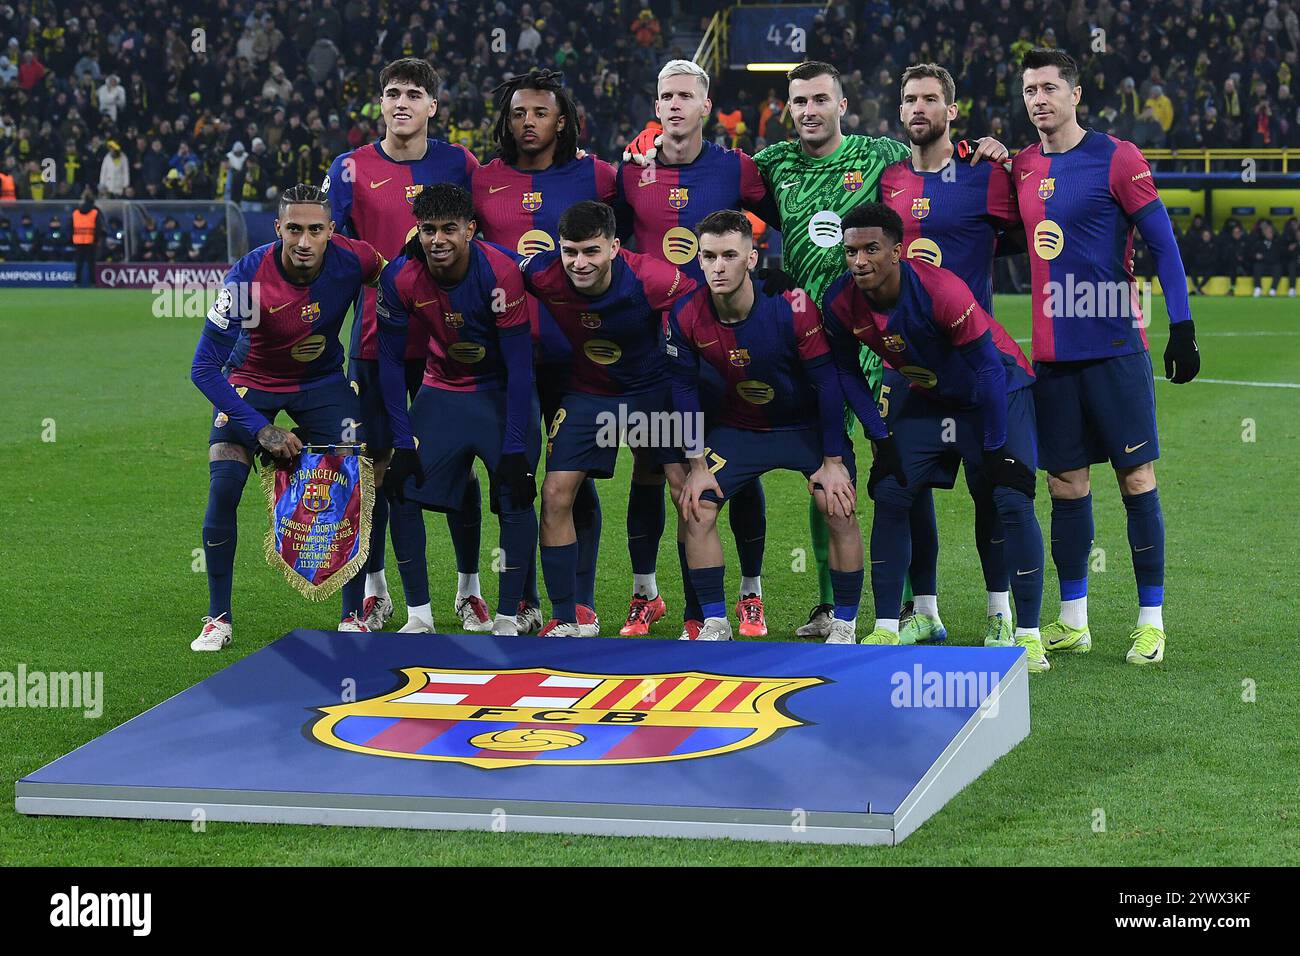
[655, 738]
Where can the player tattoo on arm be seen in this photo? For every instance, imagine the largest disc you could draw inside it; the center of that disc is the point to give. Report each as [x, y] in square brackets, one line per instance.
[280, 442]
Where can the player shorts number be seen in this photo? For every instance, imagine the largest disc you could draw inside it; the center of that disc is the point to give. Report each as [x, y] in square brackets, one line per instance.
[883, 404]
[556, 422]
[716, 460]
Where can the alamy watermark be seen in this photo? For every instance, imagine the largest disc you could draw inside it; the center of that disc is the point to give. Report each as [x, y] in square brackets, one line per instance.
[921, 687]
[75, 690]
[640, 429]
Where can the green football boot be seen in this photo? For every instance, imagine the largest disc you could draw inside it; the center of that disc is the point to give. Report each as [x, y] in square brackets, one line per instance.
[922, 629]
[880, 636]
[1060, 638]
[1148, 645]
[1035, 657]
[998, 632]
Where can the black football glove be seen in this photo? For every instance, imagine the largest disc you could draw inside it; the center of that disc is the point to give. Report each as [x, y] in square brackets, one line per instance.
[885, 463]
[516, 476]
[1182, 358]
[405, 464]
[1002, 468]
[775, 281]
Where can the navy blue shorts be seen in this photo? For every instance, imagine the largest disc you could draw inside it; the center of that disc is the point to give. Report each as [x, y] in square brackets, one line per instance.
[586, 431]
[329, 414]
[737, 456]
[1096, 410]
[454, 428]
[365, 378]
[933, 439]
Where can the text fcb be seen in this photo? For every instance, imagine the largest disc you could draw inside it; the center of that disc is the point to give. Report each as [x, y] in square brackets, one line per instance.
[545, 717]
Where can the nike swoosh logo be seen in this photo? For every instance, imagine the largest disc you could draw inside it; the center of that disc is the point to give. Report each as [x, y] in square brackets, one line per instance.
[642, 183]
[1147, 548]
[1152, 655]
[996, 540]
[705, 345]
[895, 192]
[1129, 449]
[1030, 571]
[861, 330]
[559, 301]
[277, 308]
[877, 562]
[376, 185]
[496, 189]
[421, 305]
[215, 544]
[1024, 176]
[788, 185]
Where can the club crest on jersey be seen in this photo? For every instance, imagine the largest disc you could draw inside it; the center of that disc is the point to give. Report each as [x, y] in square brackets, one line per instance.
[738, 357]
[894, 343]
[316, 496]
[453, 319]
[853, 180]
[541, 717]
[920, 207]
[310, 312]
[678, 197]
[532, 201]
[589, 320]
[412, 191]
[1046, 187]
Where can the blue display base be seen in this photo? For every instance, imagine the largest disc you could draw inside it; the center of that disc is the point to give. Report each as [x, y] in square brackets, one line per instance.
[771, 741]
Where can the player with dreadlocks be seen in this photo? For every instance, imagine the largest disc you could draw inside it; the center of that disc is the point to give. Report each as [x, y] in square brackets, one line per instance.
[518, 198]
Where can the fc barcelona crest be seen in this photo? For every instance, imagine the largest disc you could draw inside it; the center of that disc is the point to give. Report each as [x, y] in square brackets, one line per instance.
[316, 496]
[920, 207]
[853, 180]
[544, 717]
[310, 312]
[1046, 187]
[412, 191]
[453, 319]
[532, 201]
[589, 320]
[894, 343]
[738, 357]
[678, 197]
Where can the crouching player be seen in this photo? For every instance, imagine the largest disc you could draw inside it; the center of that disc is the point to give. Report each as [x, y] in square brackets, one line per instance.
[289, 298]
[969, 400]
[781, 408]
[477, 400]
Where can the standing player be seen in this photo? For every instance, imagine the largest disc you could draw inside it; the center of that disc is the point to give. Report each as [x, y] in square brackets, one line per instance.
[971, 394]
[1081, 193]
[477, 397]
[289, 298]
[781, 408]
[689, 180]
[606, 302]
[518, 198]
[371, 191]
[952, 214]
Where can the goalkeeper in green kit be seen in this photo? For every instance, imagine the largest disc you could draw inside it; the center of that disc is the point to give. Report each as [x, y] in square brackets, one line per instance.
[815, 181]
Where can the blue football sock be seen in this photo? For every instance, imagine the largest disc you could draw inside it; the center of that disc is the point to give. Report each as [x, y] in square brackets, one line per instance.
[378, 534]
[748, 518]
[645, 526]
[518, 542]
[891, 547]
[990, 538]
[1072, 533]
[587, 524]
[221, 531]
[1146, 539]
[1024, 553]
[354, 595]
[924, 570]
[531, 597]
[847, 586]
[407, 527]
[691, 610]
[560, 571]
[466, 527]
[710, 587]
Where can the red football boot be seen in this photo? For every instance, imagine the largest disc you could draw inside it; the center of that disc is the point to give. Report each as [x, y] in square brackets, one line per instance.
[750, 612]
[641, 613]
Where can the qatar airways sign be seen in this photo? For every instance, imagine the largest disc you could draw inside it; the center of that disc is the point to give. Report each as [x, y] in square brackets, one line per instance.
[149, 275]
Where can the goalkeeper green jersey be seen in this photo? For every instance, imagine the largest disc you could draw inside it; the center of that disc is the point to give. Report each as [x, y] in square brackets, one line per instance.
[813, 194]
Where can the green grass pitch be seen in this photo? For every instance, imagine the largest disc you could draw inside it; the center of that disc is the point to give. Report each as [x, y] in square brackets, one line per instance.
[1190, 762]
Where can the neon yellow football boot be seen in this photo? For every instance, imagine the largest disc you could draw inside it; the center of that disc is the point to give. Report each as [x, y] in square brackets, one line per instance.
[1035, 656]
[880, 636]
[1060, 638]
[998, 632]
[1148, 645]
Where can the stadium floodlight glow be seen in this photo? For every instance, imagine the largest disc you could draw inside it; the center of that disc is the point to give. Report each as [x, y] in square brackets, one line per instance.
[770, 67]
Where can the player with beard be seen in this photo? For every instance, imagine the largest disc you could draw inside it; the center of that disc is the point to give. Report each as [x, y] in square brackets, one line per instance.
[518, 198]
[372, 189]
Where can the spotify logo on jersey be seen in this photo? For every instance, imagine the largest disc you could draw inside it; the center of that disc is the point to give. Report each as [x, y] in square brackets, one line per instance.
[824, 229]
[679, 245]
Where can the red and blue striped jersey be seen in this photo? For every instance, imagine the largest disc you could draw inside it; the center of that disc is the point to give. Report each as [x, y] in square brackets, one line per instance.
[936, 314]
[460, 325]
[1079, 208]
[614, 336]
[371, 197]
[667, 202]
[521, 210]
[290, 332]
[952, 218]
[762, 359]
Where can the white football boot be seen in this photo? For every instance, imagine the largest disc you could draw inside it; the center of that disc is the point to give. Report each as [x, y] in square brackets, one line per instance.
[214, 636]
[842, 632]
[473, 614]
[715, 629]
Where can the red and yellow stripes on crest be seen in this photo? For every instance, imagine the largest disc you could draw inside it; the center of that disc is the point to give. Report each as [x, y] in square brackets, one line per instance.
[680, 694]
